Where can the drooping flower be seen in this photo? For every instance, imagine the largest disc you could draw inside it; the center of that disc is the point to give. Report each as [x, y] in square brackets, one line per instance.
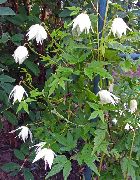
[114, 121]
[81, 23]
[17, 93]
[107, 97]
[119, 27]
[24, 133]
[37, 32]
[133, 106]
[128, 126]
[39, 146]
[20, 54]
[47, 155]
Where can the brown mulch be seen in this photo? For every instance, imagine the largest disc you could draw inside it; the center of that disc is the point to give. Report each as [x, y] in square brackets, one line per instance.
[8, 143]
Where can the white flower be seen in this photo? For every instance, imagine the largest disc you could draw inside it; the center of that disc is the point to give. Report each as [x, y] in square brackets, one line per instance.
[37, 32]
[114, 121]
[24, 133]
[128, 126]
[107, 97]
[47, 155]
[133, 106]
[81, 23]
[17, 93]
[39, 146]
[119, 27]
[20, 54]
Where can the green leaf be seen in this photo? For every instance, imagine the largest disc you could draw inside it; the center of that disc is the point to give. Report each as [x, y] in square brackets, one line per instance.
[27, 174]
[23, 105]
[5, 37]
[55, 169]
[89, 161]
[10, 167]
[6, 11]
[66, 170]
[96, 67]
[19, 154]
[10, 117]
[3, 1]
[33, 67]
[5, 78]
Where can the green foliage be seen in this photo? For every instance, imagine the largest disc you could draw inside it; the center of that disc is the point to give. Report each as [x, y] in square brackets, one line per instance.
[62, 109]
[60, 163]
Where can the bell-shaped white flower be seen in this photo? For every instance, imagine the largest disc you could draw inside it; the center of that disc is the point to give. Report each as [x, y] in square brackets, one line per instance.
[133, 106]
[47, 155]
[20, 54]
[81, 23]
[119, 27]
[24, 133]
[39, 146]
[114, 121]
[107, 97]
[17, 93]
[128, 127]
[37, 32]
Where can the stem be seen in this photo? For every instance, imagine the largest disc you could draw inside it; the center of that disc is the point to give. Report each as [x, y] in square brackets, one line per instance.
[131, 150]
[101, 162]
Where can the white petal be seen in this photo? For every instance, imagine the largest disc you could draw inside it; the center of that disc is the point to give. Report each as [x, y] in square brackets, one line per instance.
[20, 54]
[81, 23]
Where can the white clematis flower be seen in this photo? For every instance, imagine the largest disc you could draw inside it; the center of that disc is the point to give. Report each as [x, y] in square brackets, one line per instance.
[24, 133]
[37, 32]
[17, 93]
[128, 126]
[107, 97]
[47, 155]
[114, 121]
[119, 27]
[81, 23]
[20, 54]
[133, 106]
[39, 146]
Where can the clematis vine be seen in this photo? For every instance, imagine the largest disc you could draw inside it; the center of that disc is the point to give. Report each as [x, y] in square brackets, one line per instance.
[17, 93]
[24, 133]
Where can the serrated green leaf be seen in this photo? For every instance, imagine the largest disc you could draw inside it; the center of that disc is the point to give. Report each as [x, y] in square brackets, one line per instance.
[10, 167]
[23, 105]
[10, 117]
[5, 78]
[66, 170]
[88, 160]
[19, 154]
[55, 169]
[27, 174]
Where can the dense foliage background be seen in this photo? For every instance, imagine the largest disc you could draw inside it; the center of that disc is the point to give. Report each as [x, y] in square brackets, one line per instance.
[59, 79]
